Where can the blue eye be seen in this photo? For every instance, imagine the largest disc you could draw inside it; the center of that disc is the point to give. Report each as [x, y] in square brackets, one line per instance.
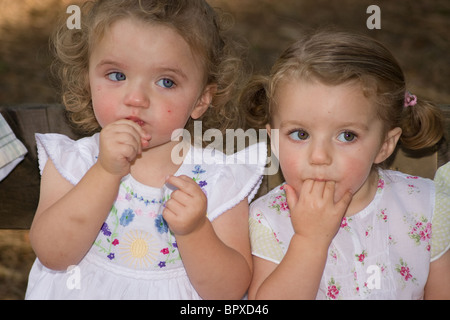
[299, 135]
[166, 83]
[347, 136]
[117, 76]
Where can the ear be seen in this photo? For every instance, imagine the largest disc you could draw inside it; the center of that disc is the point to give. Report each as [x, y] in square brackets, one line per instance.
[204, 101]
[389, 145]
[274, 140]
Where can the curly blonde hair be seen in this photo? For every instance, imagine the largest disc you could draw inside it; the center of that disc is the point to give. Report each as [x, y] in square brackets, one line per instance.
[336, 57]
[203, 28]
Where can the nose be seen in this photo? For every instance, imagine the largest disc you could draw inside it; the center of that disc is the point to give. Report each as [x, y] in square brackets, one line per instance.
[136, 96]
[320, 153]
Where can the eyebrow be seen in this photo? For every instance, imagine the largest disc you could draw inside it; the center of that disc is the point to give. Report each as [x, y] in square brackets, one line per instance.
[123, 66]
[112, 63]
[177, 71]
[289, 123]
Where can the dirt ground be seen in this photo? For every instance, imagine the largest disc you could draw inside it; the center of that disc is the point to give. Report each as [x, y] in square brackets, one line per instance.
[417, 32]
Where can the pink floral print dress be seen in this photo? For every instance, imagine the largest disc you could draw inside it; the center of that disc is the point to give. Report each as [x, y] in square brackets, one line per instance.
[382, 252]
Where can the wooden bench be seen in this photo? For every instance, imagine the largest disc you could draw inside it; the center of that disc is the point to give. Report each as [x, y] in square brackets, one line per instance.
[19, 191]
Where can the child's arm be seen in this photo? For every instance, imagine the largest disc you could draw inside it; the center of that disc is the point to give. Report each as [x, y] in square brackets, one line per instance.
[216, 255]
[68, 218]
[315, 219]
[438, 283]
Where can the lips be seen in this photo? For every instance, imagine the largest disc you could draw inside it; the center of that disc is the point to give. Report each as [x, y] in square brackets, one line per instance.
[136, 120]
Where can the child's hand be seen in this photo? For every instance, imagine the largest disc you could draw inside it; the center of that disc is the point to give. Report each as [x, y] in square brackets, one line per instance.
[314, 214]
[186, 209]
[120, 143]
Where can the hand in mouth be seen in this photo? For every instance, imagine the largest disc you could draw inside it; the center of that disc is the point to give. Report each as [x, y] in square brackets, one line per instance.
[136, 120]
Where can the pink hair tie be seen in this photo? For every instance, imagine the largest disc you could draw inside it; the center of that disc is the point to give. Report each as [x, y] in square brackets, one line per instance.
[410, 99]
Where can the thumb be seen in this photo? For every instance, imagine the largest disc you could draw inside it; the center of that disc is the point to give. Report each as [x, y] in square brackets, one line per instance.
[291, 196]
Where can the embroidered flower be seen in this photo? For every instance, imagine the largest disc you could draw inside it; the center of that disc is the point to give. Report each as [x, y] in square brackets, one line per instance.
[105, 229]
[115, 242]
[171, 254]
[127, 217]
[202, 183]
[111, 256]
[198, 170]
[161, 224]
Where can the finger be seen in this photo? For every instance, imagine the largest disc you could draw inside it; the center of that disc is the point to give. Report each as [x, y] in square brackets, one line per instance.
[318, 188]
[128, 139]
[136, 130]
[168, 215]
[174, 206]
[144, 134]
[291, 196]
[184, 183]
[125, 134]
[145, 143]
[129, 151]
[307, 187]
[180, 196]
[328, 192]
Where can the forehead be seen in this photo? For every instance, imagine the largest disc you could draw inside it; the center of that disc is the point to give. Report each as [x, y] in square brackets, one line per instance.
[315, 101]
[143, 43]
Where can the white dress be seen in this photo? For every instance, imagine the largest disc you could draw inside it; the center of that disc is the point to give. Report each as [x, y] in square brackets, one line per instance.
[135, 255]
[382, 252]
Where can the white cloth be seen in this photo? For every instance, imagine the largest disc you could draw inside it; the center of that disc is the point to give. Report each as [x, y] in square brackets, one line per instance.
[382, 252]
[135, 256]
[12, 151]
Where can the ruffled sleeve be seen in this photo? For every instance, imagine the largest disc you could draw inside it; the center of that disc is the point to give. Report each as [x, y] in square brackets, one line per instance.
[270, 226]
[71, 158]
[228, 179]
[441, 218]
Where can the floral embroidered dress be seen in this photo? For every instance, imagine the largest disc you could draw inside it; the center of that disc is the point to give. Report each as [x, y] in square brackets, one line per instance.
[382, 252]
[135, 255]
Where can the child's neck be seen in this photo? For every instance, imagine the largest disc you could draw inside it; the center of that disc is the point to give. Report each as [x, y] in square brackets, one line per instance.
[364, 196]
[154, 165]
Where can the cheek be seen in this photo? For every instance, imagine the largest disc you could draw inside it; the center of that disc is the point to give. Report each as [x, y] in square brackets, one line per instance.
[353, 173]
[103, 107]
[291, 168]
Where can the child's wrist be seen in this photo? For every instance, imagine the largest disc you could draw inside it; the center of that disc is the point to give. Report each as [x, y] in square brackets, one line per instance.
[310, 243]
[104, 174]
